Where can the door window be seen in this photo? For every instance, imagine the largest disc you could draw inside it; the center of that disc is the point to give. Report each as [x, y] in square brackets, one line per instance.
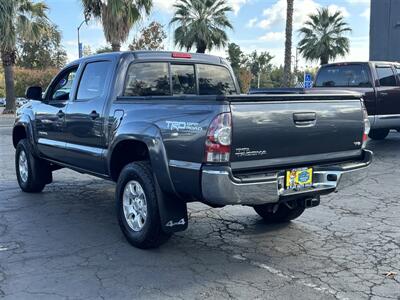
[63, 85]
[215, 80]
[386, 76]
[93, 80]
[183, 80]
[147, 79]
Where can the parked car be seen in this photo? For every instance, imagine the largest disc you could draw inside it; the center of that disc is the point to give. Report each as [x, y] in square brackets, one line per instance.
[171, 128]
[21, 101]
[2, 101]
[379, 84]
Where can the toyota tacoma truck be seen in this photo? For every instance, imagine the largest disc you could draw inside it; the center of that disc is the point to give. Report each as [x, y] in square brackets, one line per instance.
[379, 84]
[171, 128]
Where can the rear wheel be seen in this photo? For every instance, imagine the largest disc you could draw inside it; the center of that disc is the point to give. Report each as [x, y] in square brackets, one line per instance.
[137, 206]
[32, 172]
[379, 134]
[284, 213]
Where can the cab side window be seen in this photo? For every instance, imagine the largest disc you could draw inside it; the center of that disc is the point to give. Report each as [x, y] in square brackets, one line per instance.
[386, 76]
[215, 80]
[63, 85]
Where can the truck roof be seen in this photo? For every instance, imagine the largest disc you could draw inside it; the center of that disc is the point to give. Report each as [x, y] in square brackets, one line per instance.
[360, 62]
[159, 55]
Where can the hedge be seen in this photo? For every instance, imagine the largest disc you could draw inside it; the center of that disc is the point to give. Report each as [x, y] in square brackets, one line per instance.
[28, 77]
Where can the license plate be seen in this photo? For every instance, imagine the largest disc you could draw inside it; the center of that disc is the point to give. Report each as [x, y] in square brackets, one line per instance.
[299, 178]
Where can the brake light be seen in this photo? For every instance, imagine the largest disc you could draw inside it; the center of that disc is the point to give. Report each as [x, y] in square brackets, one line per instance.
[181, 55]
[367, 125]
[219, 137]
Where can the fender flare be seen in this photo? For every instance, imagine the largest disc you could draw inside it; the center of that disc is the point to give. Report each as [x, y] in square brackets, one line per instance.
[25, 122]
[150, 135]
[172, 209]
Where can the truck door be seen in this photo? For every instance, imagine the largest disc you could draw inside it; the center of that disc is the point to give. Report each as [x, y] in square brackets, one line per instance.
[388, 93]
[85, 117]
[50, 115]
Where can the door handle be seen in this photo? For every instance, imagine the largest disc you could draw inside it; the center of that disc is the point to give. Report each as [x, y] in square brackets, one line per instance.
[384, 94]
[60, 114]
[302, 117]
[305, 119]
[94, 115]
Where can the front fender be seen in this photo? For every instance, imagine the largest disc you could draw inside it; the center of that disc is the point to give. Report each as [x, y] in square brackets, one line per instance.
[24, 119]
[151, 136]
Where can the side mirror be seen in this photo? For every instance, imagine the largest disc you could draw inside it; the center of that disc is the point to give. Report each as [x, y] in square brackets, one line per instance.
[34, 93]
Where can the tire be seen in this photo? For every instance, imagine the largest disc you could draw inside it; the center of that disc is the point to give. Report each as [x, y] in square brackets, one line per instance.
[137, 211]
[282, 215]
[32, 172]
[379, 134]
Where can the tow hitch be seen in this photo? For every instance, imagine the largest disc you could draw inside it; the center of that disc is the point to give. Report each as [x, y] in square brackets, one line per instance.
[310, 202]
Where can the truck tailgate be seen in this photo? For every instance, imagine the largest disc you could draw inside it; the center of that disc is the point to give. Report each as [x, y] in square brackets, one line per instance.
[295, 132]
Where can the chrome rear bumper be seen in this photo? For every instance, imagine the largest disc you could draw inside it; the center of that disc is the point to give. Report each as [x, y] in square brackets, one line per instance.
[221, 187]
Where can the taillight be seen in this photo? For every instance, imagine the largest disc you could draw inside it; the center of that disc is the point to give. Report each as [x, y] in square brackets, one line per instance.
[367, 125]
[218, 140]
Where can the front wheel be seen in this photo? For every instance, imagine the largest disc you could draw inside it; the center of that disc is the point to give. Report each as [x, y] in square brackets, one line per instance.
[284, 213]
[137, 207]
[32, 172]
[379, 134]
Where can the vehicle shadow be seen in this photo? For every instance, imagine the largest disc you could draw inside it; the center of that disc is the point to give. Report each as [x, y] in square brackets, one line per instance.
[393, 140]
[70, 231]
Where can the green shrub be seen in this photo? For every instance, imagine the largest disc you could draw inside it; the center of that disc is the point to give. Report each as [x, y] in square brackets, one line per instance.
[29, 77]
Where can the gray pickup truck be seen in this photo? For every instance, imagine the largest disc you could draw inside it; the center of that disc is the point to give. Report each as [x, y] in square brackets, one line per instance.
[171, 128]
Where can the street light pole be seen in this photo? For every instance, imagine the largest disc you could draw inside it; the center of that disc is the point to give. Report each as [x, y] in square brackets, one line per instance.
[79, 42]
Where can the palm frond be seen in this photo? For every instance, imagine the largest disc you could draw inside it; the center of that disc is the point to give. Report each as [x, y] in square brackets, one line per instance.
[201, 23]
[323, 36]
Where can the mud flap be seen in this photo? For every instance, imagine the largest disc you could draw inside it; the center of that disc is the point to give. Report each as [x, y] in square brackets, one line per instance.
[173, 212]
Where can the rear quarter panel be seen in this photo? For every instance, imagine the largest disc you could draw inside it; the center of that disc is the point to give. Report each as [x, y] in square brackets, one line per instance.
[181, 126]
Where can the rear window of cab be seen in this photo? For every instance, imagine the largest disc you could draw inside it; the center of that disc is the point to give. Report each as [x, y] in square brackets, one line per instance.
[166, 79]
[353, 75]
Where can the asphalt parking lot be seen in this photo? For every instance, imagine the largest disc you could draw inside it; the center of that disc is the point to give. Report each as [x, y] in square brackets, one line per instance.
[65, 243]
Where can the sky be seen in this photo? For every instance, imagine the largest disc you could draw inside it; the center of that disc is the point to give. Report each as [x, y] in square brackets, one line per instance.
[258, 25]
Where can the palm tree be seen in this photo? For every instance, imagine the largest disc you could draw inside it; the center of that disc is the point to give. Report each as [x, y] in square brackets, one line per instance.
[22, 19]
[323, 36]
[288, 44]
[202, 23]
[117, 17]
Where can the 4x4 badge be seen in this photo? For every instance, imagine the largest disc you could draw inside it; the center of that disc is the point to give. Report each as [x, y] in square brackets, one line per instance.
[172, 223]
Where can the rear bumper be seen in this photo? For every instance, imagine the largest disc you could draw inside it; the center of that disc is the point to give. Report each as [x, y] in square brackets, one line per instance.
[221, 187]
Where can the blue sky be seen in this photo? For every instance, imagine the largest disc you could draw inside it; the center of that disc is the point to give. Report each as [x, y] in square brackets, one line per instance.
[258, 25]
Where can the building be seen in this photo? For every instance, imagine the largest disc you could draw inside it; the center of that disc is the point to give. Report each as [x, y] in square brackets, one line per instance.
[385, 30]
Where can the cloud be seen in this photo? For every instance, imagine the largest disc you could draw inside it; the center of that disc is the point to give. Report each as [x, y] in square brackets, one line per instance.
[273, 36]
[343, 10]
[252, 22]
[236, 5]
[359, 1]
[167, 6]
[366, 13]
[164, 5]
[276, 14]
